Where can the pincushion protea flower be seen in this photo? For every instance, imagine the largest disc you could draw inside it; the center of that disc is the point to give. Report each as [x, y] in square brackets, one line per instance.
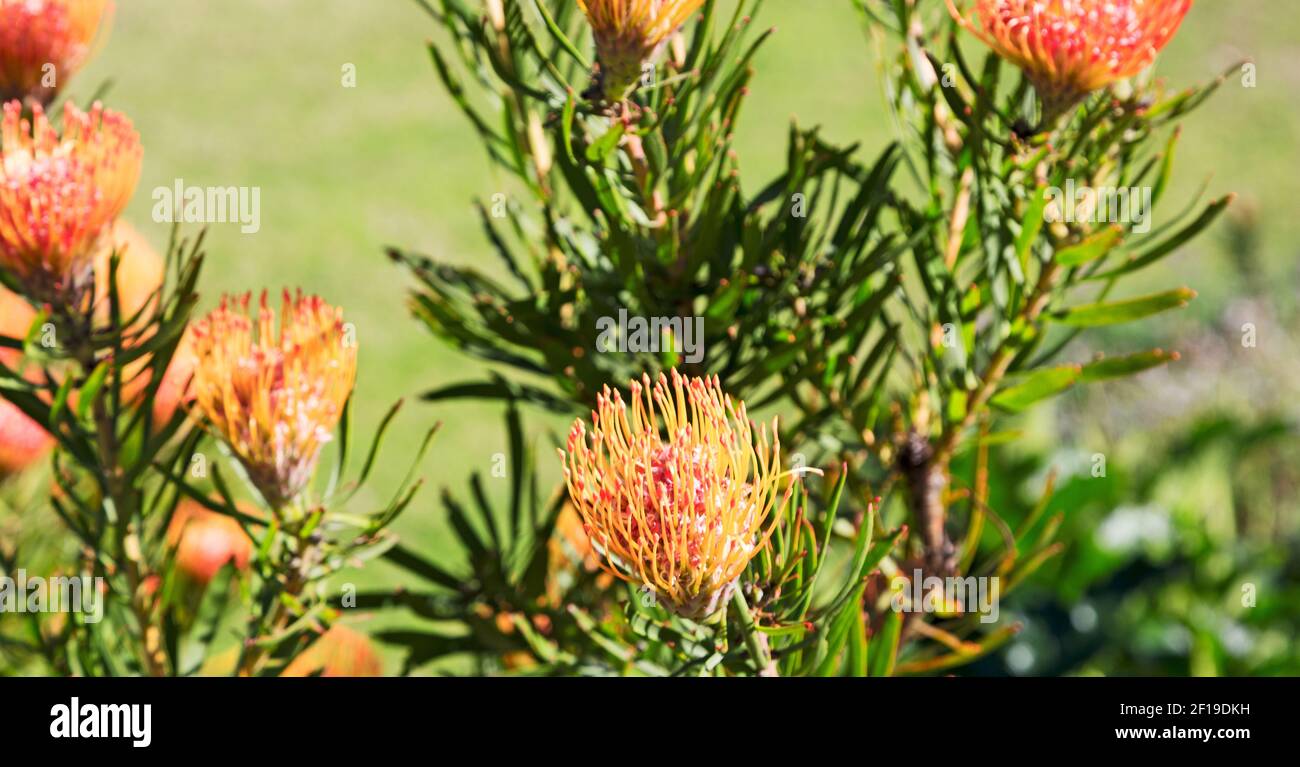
[682, 513]
[1070, 48]
[274, 396]
[38, 34]
[58, 195]
[629, 33]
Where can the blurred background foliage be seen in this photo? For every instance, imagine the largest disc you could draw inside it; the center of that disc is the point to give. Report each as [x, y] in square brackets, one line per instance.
[1199, 499]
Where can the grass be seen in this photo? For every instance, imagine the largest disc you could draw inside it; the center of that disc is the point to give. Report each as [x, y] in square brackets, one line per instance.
[249, 93]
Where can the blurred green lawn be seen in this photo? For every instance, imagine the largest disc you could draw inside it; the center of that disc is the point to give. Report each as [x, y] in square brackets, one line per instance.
[248, 93]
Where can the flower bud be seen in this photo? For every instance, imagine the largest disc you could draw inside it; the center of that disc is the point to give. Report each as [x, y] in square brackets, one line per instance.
[274, 395]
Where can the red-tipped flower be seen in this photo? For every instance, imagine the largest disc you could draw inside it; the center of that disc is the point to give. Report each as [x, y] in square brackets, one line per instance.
[59, 194]
[274, 395]
[1070, 48]
[681, 512]
[43, 42]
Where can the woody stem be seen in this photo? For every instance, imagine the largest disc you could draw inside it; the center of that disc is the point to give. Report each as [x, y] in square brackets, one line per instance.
[925, 466]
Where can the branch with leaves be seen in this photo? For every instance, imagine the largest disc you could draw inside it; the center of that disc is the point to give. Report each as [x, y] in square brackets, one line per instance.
[888, 311]
[171, 569]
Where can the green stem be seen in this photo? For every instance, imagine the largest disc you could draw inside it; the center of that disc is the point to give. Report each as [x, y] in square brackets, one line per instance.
[120, 493]
[297, 560]
[755, 642]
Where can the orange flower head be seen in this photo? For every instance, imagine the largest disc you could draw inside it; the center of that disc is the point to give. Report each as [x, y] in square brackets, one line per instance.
[629, 33]
[205, 541]
[22, 441]
[1070, 48]
[58, 195]
[681, 512]
[175, 388]
[44, 42]
[340, 651]
[274, 395]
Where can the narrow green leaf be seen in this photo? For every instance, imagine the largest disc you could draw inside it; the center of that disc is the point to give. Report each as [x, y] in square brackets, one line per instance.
[378, 440]
[1173, 243]
[414, 564]
[840, 633]
[884, 645]
[561, 38]
[855, 664]
[566, 125]
[208, 618]
[1166, 166]
[1037, 386]
[60, 401]
[1031, 226]
[1119, 367]
[90, 390]
[1117, 312]
[1091, 248]
[602, 147]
